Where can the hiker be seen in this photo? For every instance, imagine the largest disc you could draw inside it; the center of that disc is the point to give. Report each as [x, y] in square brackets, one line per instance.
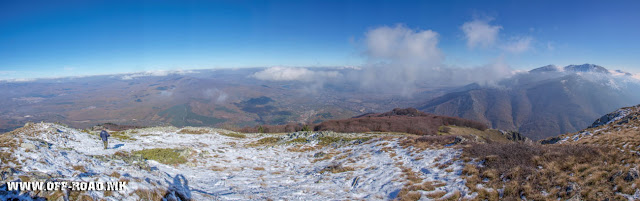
[104, 135]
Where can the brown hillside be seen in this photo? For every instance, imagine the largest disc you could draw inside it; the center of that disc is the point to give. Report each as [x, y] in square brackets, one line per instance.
[408, 120]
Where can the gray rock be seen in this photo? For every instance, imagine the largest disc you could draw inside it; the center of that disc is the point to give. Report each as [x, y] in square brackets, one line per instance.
[631, 175]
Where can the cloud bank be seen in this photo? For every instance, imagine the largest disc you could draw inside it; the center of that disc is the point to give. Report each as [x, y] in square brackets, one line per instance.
[399, 57]
[402, 43]
[402, 59]
[399, 60]
[480, 33]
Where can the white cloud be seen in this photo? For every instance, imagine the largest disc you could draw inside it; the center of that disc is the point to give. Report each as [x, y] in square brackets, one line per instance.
[398, 57]
[401, 59]
[518, 44]
[400, 42]
[480, 33]
[293, 74]
[488, 74]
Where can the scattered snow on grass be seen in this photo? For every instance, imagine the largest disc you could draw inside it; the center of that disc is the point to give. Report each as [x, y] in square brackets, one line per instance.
[223, 167]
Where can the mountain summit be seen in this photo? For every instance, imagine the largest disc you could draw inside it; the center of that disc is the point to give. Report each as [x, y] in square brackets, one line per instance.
[584, 68]
[590, 68]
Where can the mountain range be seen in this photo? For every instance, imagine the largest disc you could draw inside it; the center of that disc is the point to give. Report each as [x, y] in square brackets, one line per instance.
[539, 103]
[542, 102]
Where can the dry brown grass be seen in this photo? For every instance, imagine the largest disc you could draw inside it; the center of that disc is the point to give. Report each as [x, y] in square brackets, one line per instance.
[79, 168]
[145, 194]
[216, 168]
[408, 120]
[9, 143]
[428, 142]
[115, 174]
[413, 185]
[336, 168]
[436, 194]
[455, 196]
[303, 148]
[488, 135]
[400, 120]
[121, 135]
[326, 156]
[409, 196]
[233, 135]
[563, 171]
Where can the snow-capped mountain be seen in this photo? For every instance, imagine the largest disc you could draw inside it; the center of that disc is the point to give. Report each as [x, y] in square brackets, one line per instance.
[547, 68]
[584, 68]
[589, 68]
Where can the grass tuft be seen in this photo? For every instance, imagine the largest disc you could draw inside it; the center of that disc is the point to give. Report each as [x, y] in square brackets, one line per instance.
[165, 156]
[233, 135]
[192, 131]
[265, 141]
[121, 135]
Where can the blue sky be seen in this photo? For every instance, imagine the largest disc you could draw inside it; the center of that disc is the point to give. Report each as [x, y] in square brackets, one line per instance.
[62, 38]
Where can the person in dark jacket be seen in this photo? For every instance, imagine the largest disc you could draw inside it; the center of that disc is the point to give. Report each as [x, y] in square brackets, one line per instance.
[104, 135]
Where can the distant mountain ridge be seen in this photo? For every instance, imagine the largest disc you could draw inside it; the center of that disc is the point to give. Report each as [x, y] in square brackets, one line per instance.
[584, 68]
[544, 102]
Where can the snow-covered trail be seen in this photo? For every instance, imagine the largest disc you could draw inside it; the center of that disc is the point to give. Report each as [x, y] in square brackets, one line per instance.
[221, 167]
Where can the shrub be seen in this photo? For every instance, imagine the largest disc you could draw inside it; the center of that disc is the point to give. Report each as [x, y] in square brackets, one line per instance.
[444, 129]
[306, 128]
